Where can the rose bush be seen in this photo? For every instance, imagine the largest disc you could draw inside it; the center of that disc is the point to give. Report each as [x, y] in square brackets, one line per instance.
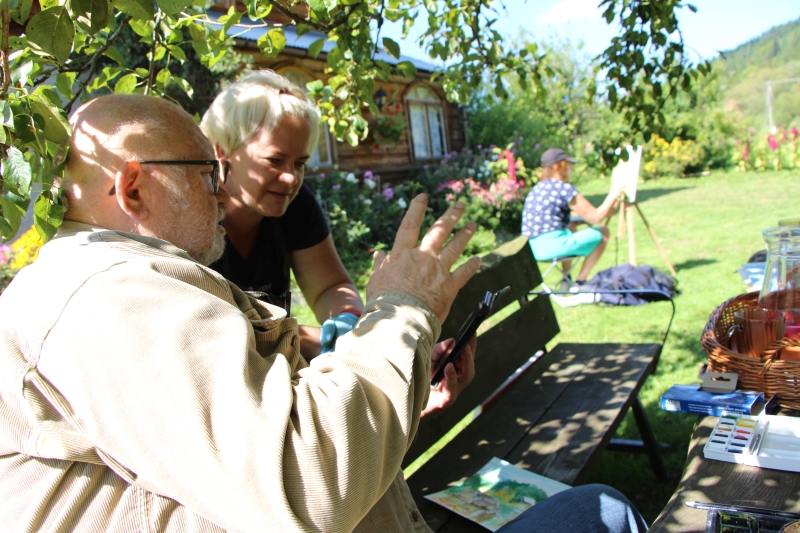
[364, 216]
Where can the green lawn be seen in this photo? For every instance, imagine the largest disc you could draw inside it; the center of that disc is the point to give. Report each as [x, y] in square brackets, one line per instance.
[709, 226]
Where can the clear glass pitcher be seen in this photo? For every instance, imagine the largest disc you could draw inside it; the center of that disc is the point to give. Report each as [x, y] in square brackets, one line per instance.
[781, 289]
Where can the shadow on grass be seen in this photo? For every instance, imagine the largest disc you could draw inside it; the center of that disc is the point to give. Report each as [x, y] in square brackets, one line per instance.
[642, 195]
[692, 263]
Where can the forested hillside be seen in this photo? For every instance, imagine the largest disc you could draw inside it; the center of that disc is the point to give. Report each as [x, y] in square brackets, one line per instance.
[774, 56]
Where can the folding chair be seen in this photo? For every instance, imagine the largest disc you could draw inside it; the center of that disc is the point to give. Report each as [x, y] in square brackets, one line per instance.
[555, 264]
[565, 278]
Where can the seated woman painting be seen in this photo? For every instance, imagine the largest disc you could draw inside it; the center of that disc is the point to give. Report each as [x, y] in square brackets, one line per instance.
[545, 218]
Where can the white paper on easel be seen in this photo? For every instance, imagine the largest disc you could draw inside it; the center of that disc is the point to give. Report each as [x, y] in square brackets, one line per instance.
[626, 173]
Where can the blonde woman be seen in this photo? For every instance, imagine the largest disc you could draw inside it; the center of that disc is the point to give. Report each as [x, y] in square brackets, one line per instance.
[264, 130]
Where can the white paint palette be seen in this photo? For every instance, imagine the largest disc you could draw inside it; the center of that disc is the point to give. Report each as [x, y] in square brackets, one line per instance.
[765, 441]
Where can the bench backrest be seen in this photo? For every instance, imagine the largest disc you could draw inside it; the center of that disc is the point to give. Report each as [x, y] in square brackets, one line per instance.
[507, 345]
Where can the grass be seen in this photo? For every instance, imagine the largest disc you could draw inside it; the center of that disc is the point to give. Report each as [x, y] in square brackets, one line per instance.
[709, 226]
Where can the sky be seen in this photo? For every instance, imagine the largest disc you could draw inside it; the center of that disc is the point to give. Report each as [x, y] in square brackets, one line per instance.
[718, 25]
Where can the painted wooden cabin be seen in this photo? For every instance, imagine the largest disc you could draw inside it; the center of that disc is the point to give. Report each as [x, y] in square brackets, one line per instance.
[433, 126]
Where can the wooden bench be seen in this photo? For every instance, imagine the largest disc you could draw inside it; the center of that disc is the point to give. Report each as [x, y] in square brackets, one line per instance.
[555, 417]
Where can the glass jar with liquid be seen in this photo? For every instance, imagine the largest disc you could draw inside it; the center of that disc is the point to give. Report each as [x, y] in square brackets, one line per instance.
[781, 289]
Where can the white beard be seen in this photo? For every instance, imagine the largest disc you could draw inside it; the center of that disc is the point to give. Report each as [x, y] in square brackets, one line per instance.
[217, 248]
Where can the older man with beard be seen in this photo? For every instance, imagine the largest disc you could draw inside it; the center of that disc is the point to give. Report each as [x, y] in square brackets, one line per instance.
[141, 391]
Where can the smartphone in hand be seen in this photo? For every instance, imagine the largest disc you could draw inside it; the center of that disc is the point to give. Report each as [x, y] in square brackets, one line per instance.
[466, 332]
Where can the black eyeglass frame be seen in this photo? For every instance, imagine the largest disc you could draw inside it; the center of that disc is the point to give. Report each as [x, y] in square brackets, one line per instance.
[175, 162]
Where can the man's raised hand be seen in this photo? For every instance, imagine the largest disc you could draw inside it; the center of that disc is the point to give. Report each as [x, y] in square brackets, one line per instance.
[423, 270]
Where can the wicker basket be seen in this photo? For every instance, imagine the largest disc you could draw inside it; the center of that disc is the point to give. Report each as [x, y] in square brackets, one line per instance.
[766, 373]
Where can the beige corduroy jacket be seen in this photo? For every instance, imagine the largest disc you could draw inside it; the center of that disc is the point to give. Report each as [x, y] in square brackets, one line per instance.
[142, 392]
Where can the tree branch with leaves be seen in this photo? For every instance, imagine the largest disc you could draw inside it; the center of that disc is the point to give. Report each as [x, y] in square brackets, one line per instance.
[68, 52]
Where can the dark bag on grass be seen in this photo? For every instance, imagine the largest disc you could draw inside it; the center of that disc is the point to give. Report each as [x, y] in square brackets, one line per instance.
[627, 276]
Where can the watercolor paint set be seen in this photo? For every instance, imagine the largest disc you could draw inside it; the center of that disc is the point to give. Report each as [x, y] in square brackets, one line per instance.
[765, 441]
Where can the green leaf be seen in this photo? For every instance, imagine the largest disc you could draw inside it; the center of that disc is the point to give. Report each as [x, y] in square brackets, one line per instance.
[5, 229]
[315, 86]
[265, 45]
[335, 56]
[178, 53]
[53, 32]
[22, 12]
[318, 6]
[278, 39]
[302, 29]
[17, 171]
[391, 47]
[162, 79]
[231, 19]
[23, 128]
[12, 213]
[48, 214]
[171, 7]
[184, 85]
[126, 84]
[201, 47]
[316, 48]
[407, 68]
[96, 11]
[138, 10]
[65, 82]
[113, 53]
[142, 28]
[56, 127]
[197, 31]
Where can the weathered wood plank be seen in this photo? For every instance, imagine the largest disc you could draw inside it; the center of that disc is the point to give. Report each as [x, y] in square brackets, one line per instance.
[555, 420]
[501, 350]
[495, 433]
[510, 265]
[566, 443]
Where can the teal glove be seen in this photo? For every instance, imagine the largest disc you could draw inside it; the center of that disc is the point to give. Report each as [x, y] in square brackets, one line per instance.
[335, 327]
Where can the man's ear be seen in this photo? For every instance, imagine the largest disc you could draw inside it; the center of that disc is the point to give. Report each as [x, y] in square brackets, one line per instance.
[219, 152]
[131, 189]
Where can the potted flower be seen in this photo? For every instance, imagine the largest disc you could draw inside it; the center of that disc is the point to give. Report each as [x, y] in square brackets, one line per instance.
[387, 128]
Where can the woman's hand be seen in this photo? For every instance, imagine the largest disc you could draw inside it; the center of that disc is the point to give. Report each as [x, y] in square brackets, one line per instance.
[457, 375]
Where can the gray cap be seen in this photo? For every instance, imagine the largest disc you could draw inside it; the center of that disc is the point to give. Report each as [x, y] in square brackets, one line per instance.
[551, 156]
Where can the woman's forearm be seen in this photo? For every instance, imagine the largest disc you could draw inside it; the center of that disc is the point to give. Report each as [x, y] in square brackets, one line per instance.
[335, 300]
[606, 207]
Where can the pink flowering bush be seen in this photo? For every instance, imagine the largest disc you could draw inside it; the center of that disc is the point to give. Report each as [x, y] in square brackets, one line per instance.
[491, 181]
[778, 151]
[364, 215]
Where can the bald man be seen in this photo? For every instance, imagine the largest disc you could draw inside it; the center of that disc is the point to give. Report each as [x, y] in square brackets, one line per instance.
[141, 391]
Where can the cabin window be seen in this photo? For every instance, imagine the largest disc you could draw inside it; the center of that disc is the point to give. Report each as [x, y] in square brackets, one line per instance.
[427, 123]
[323, 156]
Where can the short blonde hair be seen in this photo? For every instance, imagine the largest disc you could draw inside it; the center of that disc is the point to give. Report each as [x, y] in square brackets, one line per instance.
[255, 102]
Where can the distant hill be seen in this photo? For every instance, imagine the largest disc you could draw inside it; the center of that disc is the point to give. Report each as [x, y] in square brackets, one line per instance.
[774, 56]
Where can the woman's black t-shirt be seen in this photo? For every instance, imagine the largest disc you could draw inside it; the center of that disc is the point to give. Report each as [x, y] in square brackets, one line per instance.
[267, 269]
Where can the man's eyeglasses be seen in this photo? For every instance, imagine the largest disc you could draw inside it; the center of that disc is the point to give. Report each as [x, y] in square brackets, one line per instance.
[205, 162]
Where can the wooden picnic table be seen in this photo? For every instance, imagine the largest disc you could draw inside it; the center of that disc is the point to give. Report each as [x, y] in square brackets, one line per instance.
[708, 480]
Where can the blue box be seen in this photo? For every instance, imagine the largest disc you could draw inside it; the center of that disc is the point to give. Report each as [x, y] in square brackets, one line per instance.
[690, 399]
